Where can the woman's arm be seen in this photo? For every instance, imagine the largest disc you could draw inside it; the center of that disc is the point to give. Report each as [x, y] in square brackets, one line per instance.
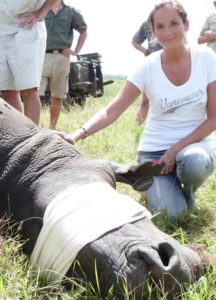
[107, 115]
[206, 128]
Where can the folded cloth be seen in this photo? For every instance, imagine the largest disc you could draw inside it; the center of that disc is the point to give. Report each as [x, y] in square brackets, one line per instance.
[76, 217]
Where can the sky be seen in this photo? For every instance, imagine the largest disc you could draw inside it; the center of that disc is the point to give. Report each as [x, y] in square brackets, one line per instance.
[111, 25]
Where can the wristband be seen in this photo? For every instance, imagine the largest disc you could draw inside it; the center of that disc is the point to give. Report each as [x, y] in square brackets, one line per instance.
[84, 131]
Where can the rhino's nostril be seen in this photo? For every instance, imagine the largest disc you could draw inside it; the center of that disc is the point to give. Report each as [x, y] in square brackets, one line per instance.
[165, 252]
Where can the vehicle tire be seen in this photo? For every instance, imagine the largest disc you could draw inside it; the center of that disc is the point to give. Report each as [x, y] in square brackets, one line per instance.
[99, 80]
[92, 79]
[68, 102]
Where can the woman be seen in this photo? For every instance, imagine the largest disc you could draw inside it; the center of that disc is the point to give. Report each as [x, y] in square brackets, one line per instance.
[180, 83]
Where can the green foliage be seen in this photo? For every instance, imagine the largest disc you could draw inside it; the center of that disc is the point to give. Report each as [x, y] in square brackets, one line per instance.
[114, 77]
[117, 143]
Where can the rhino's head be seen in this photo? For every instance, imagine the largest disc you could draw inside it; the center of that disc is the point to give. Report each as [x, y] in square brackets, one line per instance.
[37, 167]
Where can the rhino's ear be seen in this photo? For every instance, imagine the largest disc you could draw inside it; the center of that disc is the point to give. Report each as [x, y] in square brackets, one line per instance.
[140, 177]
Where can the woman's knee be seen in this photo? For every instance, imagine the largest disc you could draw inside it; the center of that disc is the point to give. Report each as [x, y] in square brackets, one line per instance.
[167, 195]
[194, 165]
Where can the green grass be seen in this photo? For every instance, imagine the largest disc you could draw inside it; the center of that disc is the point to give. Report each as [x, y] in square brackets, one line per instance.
[117, 143]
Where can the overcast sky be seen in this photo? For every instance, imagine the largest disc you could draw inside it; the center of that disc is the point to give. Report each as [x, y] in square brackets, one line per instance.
[111, 25]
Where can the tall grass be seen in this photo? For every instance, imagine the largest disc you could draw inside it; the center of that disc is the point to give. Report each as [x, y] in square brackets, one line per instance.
[117, 143]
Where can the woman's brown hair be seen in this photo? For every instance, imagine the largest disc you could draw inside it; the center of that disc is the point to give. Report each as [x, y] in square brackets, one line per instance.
[175, 4]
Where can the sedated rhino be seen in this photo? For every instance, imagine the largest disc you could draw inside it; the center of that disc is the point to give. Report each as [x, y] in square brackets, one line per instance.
[41, 176]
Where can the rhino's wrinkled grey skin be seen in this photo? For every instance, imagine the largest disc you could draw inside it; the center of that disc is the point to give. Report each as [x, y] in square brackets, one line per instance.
[36, 164]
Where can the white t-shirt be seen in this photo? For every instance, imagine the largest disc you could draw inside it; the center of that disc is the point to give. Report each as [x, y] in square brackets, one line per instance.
[175, 111]
[10, 11]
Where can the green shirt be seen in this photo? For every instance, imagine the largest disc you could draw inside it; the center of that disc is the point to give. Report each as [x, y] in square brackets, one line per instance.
[60, 27]
[145, 33]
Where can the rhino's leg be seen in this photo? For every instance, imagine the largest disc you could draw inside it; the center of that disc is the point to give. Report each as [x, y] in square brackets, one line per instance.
[135, 252]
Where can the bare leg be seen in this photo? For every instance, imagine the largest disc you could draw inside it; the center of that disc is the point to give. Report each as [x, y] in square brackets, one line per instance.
[13, 98]
[32, 104]
[55, 109]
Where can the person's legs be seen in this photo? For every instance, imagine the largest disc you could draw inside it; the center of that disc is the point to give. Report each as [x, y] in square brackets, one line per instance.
[194, 164]
[32, 104]
[7, 86]
[58, 85]
[175, 193]
[55, 109]
[53, 76]
[25, 59]
[13, 98]
[166, 193]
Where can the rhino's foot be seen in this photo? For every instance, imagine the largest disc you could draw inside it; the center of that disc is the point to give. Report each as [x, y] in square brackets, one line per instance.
[123, 259]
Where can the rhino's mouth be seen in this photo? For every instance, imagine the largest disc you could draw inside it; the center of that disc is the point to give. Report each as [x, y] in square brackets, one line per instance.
[77, 217]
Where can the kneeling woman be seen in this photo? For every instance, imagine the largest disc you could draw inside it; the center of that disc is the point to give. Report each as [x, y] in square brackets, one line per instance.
[180, 83]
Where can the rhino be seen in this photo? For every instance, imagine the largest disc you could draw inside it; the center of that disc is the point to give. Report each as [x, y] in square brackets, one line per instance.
[42, 176]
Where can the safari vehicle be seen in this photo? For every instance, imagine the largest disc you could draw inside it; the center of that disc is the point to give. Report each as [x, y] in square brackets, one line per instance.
[85, 80]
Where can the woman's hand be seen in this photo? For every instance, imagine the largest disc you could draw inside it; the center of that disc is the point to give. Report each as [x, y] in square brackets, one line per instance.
[169, 160]
[67, 137]
[80, 133]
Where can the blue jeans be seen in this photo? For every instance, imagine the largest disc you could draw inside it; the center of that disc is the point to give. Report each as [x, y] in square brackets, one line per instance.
[174, 192]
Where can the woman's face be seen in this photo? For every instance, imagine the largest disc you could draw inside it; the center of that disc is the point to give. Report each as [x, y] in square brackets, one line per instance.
[169, 27]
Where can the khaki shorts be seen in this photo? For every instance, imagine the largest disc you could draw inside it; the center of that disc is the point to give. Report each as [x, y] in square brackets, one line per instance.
[55, 72]
[21, 58]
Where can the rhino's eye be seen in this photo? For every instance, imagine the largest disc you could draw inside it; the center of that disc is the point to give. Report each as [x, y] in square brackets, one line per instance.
[1, 112]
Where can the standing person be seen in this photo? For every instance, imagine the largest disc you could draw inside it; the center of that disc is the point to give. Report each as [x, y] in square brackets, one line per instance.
[61, 21]
[180, 83]
[23, 42]
[208, 32]
[145, 33]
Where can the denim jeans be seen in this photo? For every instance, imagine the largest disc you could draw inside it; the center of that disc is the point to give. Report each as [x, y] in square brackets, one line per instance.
[174, 192]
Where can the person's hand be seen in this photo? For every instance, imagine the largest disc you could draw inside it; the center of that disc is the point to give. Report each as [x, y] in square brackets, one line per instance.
[142, 113]
[145, 52]
[168, 159]
[67, 137]
[68, 52]
[210, 35]
[28, 20]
